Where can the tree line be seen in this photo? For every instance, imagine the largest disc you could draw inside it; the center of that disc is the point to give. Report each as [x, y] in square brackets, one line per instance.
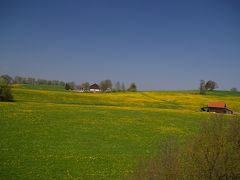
[104, 85]
[31, 81]
[6, 81]
[210, 86]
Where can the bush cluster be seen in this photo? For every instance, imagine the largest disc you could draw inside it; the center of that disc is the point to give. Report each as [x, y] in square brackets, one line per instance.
[5, 93]
[214, 153]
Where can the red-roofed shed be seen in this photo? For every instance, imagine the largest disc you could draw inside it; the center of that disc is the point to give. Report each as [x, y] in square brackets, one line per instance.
[217, 105]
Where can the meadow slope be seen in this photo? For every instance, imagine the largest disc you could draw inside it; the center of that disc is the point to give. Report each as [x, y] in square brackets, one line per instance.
[48, 133]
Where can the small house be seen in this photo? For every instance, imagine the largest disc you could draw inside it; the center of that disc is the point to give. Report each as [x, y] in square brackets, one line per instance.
[94, 88]
[217, 107]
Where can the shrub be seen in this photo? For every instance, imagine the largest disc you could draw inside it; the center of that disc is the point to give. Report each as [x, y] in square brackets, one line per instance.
[233, 89]
[67, 86]
[5, 93]
[214, 153]
[165, 165]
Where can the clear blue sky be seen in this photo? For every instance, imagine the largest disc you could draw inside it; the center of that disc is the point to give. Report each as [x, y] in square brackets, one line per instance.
[157, 44]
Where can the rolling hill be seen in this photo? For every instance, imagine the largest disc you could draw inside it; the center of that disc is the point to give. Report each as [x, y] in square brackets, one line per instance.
[50, 133]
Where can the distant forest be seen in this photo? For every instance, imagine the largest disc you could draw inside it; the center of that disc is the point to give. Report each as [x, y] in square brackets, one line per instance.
[31, 80]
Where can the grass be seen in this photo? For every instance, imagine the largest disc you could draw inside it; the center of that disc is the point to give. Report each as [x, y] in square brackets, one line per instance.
[40, 87]
[54, 134]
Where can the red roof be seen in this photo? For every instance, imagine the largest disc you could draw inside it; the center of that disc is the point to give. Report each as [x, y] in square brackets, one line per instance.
[217, 104]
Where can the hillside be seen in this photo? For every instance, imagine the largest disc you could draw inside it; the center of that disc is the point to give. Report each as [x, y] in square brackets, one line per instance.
[50, 133]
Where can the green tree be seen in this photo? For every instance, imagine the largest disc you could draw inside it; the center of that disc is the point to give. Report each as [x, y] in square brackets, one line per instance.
[233, 89]
[2, 81]
[6, 93]
[62, 83]
[123, 87]
[211, 85]
[105, 84]
[71, 85]
[85, 86]
[118, 86]
[31, 80]
[42, 81]
[132, 87]
[7, 78]
[18, 80]
[5, 90]
[67, 86]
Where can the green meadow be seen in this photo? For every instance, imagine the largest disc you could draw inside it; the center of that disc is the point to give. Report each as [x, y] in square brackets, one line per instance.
[50, 133]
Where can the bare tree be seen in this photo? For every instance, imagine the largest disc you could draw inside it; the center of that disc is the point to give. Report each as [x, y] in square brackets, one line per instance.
[202, 87]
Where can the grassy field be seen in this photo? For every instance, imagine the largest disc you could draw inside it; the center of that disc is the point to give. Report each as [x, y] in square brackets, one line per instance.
[49, 133]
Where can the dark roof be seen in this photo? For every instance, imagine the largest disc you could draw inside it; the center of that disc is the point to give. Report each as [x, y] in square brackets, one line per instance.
[94, 86]
[217, 105]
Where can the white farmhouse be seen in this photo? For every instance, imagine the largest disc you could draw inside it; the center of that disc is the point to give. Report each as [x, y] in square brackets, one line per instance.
[94, 88]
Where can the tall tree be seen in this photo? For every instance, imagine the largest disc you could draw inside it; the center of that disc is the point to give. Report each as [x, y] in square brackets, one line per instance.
[85, 86]
[118, 86]
[123, 87]
[2, 81]
[211, 85]
[67, 86]
[72, 85]
[31, 80]
[132, 87]
[106, 84]
[202, 87]
[62, 83]
[7, 78]
[18, 80]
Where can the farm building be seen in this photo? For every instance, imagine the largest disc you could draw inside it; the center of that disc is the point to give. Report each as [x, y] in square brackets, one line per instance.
[217, 107]
[94, 88]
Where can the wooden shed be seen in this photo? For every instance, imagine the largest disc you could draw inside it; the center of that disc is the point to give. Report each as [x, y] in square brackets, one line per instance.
[217, 107]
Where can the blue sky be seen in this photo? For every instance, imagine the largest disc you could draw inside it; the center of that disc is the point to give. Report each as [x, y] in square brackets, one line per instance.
[160, 45]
